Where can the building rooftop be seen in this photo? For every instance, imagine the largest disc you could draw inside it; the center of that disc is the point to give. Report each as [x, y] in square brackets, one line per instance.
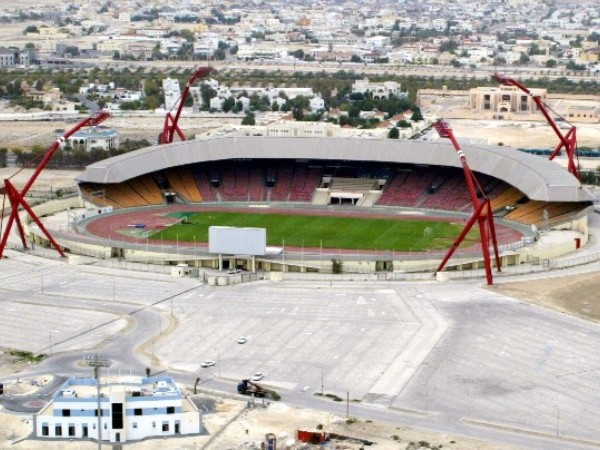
[82, 388]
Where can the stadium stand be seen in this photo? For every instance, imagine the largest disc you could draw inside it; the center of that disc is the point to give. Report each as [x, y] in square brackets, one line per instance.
[505, 198]
[542, 213]
[451, 194]
[392, 191]
[182, 181]
[116, 195]
[304, 182]
[208, 193]
[281, 191]
[147, 188]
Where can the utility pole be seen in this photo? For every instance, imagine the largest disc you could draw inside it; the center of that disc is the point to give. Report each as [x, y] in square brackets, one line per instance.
[96, 362]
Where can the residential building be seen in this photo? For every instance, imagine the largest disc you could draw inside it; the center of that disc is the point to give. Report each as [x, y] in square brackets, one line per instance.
[379, 90]
[128, 409]
[172, 93]
[94, 137]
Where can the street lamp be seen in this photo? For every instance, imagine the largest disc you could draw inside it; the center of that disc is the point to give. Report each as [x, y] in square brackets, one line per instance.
[96, 362]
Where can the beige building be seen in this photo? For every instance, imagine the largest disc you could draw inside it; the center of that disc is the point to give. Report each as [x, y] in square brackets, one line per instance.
[503, 102]
[580, 113]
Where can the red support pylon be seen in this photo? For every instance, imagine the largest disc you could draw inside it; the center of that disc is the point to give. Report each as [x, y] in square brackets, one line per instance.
[482, 213]
[17, 199]
[567, 141]
[171, 125]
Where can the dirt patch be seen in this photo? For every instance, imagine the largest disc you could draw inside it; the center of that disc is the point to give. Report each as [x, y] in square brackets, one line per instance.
[573, 294]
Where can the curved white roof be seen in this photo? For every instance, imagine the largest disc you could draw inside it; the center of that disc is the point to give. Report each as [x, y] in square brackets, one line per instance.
[537, 177]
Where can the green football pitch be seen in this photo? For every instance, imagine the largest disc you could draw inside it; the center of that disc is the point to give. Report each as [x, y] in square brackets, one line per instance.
[360, 233]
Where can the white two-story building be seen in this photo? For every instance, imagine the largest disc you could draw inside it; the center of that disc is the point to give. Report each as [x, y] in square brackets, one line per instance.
[131, 409]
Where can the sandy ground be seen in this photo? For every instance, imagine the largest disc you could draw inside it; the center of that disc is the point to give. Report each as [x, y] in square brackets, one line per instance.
[574, 294]
[24, 134]
[234, 426]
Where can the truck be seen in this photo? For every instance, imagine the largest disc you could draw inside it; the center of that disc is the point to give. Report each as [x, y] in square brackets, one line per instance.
[247, 387]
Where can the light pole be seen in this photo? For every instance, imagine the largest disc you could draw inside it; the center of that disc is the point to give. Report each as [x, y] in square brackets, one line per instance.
[322, 386]
[96, 362]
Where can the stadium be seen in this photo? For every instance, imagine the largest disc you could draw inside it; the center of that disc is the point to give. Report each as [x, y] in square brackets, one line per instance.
[456, 358]
[402, 181]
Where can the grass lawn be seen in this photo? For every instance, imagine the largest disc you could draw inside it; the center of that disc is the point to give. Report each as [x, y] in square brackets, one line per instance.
[330, 231]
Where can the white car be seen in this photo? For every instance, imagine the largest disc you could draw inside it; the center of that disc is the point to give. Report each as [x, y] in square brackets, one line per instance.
[208, 363]
[257, 376]
[242, 340]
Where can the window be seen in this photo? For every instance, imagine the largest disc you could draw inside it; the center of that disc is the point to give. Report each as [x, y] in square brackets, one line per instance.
[45, 430]
[170, 410]
[134, 424]
[71, 429]
[66, 412]
[57, 430]
[137, 412]
[165, 426]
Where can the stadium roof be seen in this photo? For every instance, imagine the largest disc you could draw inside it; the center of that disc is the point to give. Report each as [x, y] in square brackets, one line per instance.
[537, 177]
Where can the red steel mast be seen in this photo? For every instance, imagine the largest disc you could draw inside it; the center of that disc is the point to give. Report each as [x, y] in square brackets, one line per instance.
[17, 198]
[568, 140]
[171, 125]
[482, 213]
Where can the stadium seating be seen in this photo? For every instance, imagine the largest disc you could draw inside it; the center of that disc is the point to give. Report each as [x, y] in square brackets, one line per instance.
[281, 190]
[507, 197]
[304, 182]
[409, 190]
[182, 182]
[147, 188]
[207, 192]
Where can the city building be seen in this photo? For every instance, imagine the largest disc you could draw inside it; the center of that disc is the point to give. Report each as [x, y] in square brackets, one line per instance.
[172, 93]
[94, 137]
[131, 409]
[504, 101]
[379, 90]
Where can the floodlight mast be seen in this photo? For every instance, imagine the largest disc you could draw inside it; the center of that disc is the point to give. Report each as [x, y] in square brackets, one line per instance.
[171, 122]
[482, 213]
[17, 198]
[568, 140]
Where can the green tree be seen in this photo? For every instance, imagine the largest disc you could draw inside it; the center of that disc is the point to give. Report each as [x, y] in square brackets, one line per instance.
[416, 115]
[188, 35]
[249, 119]
[394, 133]
[298, 54]
[228, 104]
[3, 157]
[31, 29]
[551, 63]
[448, 46]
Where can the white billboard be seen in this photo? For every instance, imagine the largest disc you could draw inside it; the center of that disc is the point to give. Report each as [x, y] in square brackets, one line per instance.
[237, 241]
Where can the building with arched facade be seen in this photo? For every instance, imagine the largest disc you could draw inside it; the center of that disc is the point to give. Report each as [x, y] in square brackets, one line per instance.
[95, 137]
[503, 102]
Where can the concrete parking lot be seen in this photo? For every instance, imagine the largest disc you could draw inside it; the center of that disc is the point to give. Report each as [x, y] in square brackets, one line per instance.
[456, 353]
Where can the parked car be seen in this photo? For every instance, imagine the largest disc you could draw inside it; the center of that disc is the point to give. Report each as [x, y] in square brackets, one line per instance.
[208, 363]
[258, 376]
[242, 340]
